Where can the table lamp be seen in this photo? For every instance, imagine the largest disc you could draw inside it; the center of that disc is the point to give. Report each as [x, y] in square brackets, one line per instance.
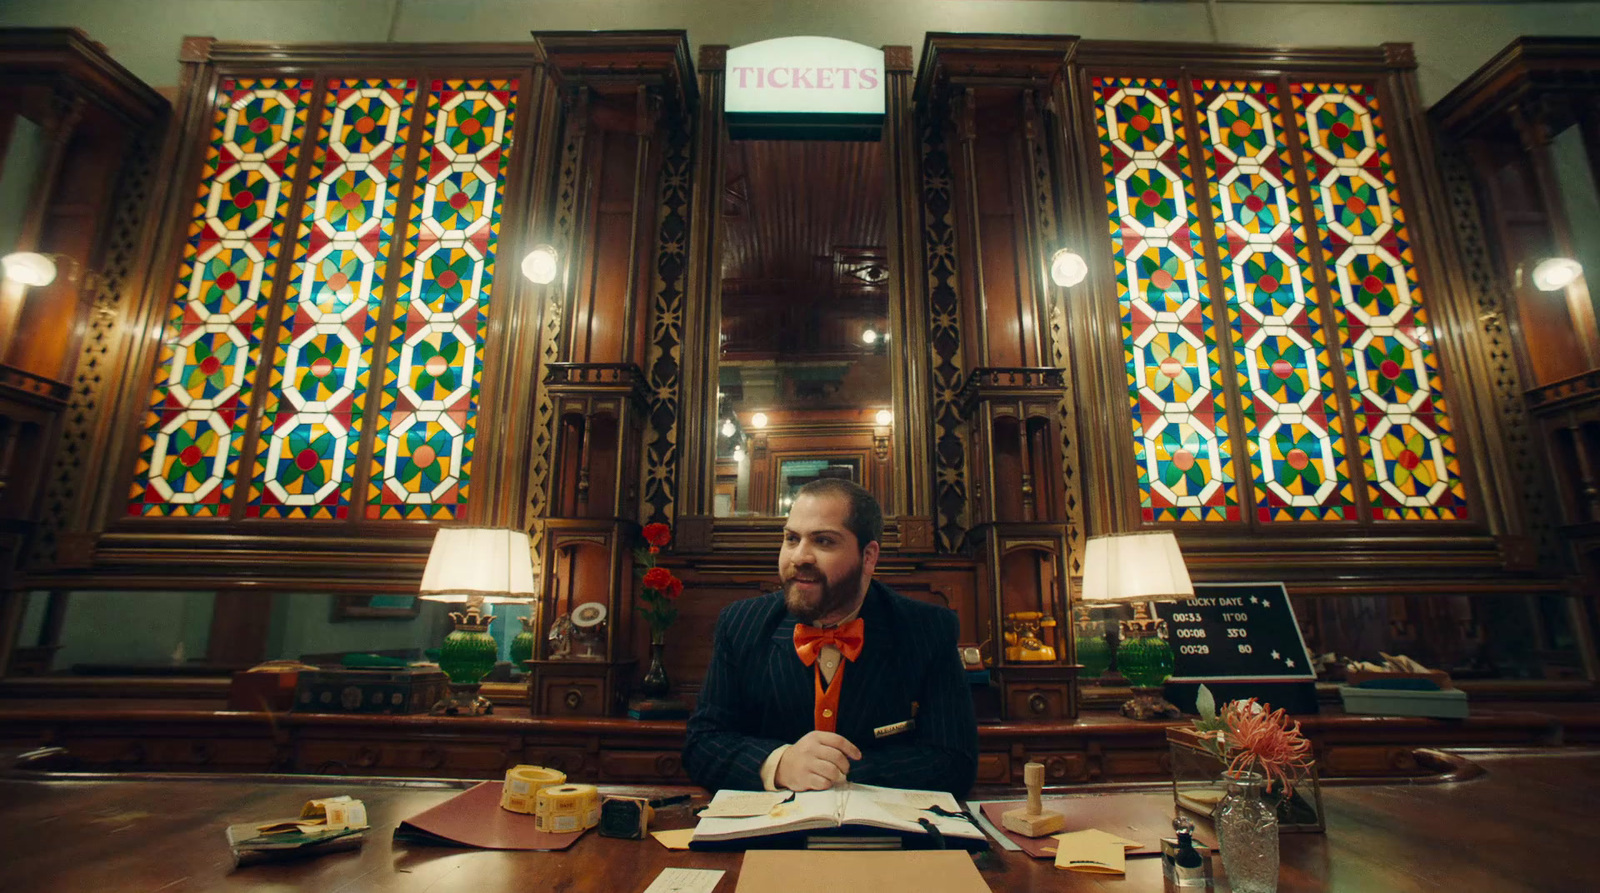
[1139, 567]
[475, 566]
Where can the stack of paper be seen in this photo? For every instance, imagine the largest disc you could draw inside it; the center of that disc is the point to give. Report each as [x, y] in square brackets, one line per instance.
[1093, 851]
[324, 826]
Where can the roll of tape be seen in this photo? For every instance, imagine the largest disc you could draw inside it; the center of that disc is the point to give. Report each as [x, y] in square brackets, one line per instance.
[523, 784]
[567, 807]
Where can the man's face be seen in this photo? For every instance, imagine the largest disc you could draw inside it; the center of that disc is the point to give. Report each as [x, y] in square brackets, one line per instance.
[824, 572]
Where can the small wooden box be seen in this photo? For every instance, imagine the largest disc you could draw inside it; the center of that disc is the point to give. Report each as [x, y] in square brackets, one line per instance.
[370, 691]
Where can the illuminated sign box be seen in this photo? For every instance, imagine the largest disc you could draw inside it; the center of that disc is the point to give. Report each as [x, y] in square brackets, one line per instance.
[804, 88]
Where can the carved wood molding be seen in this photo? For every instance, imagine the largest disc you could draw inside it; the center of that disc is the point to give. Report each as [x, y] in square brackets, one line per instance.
[568, 199]
[664, 363]
[1491, 300]
[944, 335]
[1528, 66]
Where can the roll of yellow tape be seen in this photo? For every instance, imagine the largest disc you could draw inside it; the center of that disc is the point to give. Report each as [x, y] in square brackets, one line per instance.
[567, 807]
[523, 784]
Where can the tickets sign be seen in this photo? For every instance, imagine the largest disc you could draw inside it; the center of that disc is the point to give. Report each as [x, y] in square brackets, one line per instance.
[788, 84]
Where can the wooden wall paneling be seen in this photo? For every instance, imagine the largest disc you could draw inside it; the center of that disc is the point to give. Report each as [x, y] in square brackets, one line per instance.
[107, 166]
[1496, 126]
[1111, 498]
[510, 360]
[702, 311]
[913, 476]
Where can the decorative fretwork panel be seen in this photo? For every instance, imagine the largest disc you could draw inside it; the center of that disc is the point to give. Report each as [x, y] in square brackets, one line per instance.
[1313, 329]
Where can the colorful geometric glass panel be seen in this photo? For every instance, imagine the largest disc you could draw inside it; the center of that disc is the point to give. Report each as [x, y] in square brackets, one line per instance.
[1404, 437]
[428, 400]
[313, 407]
[1182, 444]
[198, 418]
[1322, 318]
[1289, 402]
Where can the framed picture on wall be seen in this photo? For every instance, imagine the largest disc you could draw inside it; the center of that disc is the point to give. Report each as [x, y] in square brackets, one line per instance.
[797, 472]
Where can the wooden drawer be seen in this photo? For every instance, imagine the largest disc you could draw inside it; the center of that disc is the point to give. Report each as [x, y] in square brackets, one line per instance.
[1038, 701]
[572, 696]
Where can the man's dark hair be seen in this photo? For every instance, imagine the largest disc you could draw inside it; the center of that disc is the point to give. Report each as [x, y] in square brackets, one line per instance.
[866, 516]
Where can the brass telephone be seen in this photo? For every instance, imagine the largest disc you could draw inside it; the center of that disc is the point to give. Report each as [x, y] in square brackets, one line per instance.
[1025, 635]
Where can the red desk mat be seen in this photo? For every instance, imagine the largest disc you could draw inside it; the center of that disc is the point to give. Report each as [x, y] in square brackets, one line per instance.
[473, 818]
[1143, 817]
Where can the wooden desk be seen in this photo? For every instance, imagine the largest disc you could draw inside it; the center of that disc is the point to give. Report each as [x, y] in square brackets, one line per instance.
[1525, 825]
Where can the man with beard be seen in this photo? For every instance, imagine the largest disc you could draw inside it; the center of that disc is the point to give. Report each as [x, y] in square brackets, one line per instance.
[835, 677]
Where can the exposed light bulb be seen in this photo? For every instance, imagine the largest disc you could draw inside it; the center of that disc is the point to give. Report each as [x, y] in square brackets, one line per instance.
[759, 420]
[727, 427]
[884, 417]
[738, 454]
[29, 268]
[1067, 268]
[1552, 273]
[870, 336]
[541, 264]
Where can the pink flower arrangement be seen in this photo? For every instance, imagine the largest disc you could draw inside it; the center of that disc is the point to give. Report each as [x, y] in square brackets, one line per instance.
[1251, 737]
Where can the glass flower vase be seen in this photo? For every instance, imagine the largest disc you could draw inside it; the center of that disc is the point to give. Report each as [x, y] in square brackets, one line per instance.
[1247, 832]
[655, 683]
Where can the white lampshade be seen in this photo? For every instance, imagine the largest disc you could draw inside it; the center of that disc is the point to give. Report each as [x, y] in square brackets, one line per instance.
[480, 565]
[1134, 567]
[1555, 273]
[1068, 268]
[29, 268]
[541, 264]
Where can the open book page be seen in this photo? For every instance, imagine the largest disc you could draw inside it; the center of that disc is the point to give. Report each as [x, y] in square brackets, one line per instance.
[902, 810]
[808, 811]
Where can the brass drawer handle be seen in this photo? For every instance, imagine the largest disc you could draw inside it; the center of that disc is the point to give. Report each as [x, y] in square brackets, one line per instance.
[1037, 703]
[574, 699]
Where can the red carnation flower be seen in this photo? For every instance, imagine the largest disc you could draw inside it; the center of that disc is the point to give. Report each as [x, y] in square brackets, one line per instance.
[674, 588]
[657, 534]
[657, 578]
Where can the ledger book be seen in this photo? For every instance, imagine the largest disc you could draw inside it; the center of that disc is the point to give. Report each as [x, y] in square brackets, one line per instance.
[851, 816]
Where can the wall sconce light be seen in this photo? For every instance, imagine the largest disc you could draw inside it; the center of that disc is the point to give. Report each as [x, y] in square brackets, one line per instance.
[541, 264]
[727, 427]
[759, 420]
[1556, 273]
[1068, 268]
[738, 454]
[30, 268]
[870, 336]
[884, 417]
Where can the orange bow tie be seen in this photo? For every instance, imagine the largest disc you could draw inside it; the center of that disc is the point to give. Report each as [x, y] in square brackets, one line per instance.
[848, 638]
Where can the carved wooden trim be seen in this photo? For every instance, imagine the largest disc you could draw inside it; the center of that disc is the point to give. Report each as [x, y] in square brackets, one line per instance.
[664, 362]
[80, 454]
[944, 336]
[1487, 287]
[568, 200]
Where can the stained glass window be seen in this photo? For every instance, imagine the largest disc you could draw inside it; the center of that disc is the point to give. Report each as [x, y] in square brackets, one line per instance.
[1303, 361]
[334, 355]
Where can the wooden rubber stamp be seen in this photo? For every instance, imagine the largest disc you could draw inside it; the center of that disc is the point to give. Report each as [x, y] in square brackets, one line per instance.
[1032, 820]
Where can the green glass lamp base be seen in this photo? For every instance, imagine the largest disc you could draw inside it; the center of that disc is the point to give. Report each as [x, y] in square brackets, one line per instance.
[468, 654]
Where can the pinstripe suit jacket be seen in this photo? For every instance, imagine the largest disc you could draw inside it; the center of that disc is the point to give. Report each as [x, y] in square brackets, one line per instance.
[758, 696]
